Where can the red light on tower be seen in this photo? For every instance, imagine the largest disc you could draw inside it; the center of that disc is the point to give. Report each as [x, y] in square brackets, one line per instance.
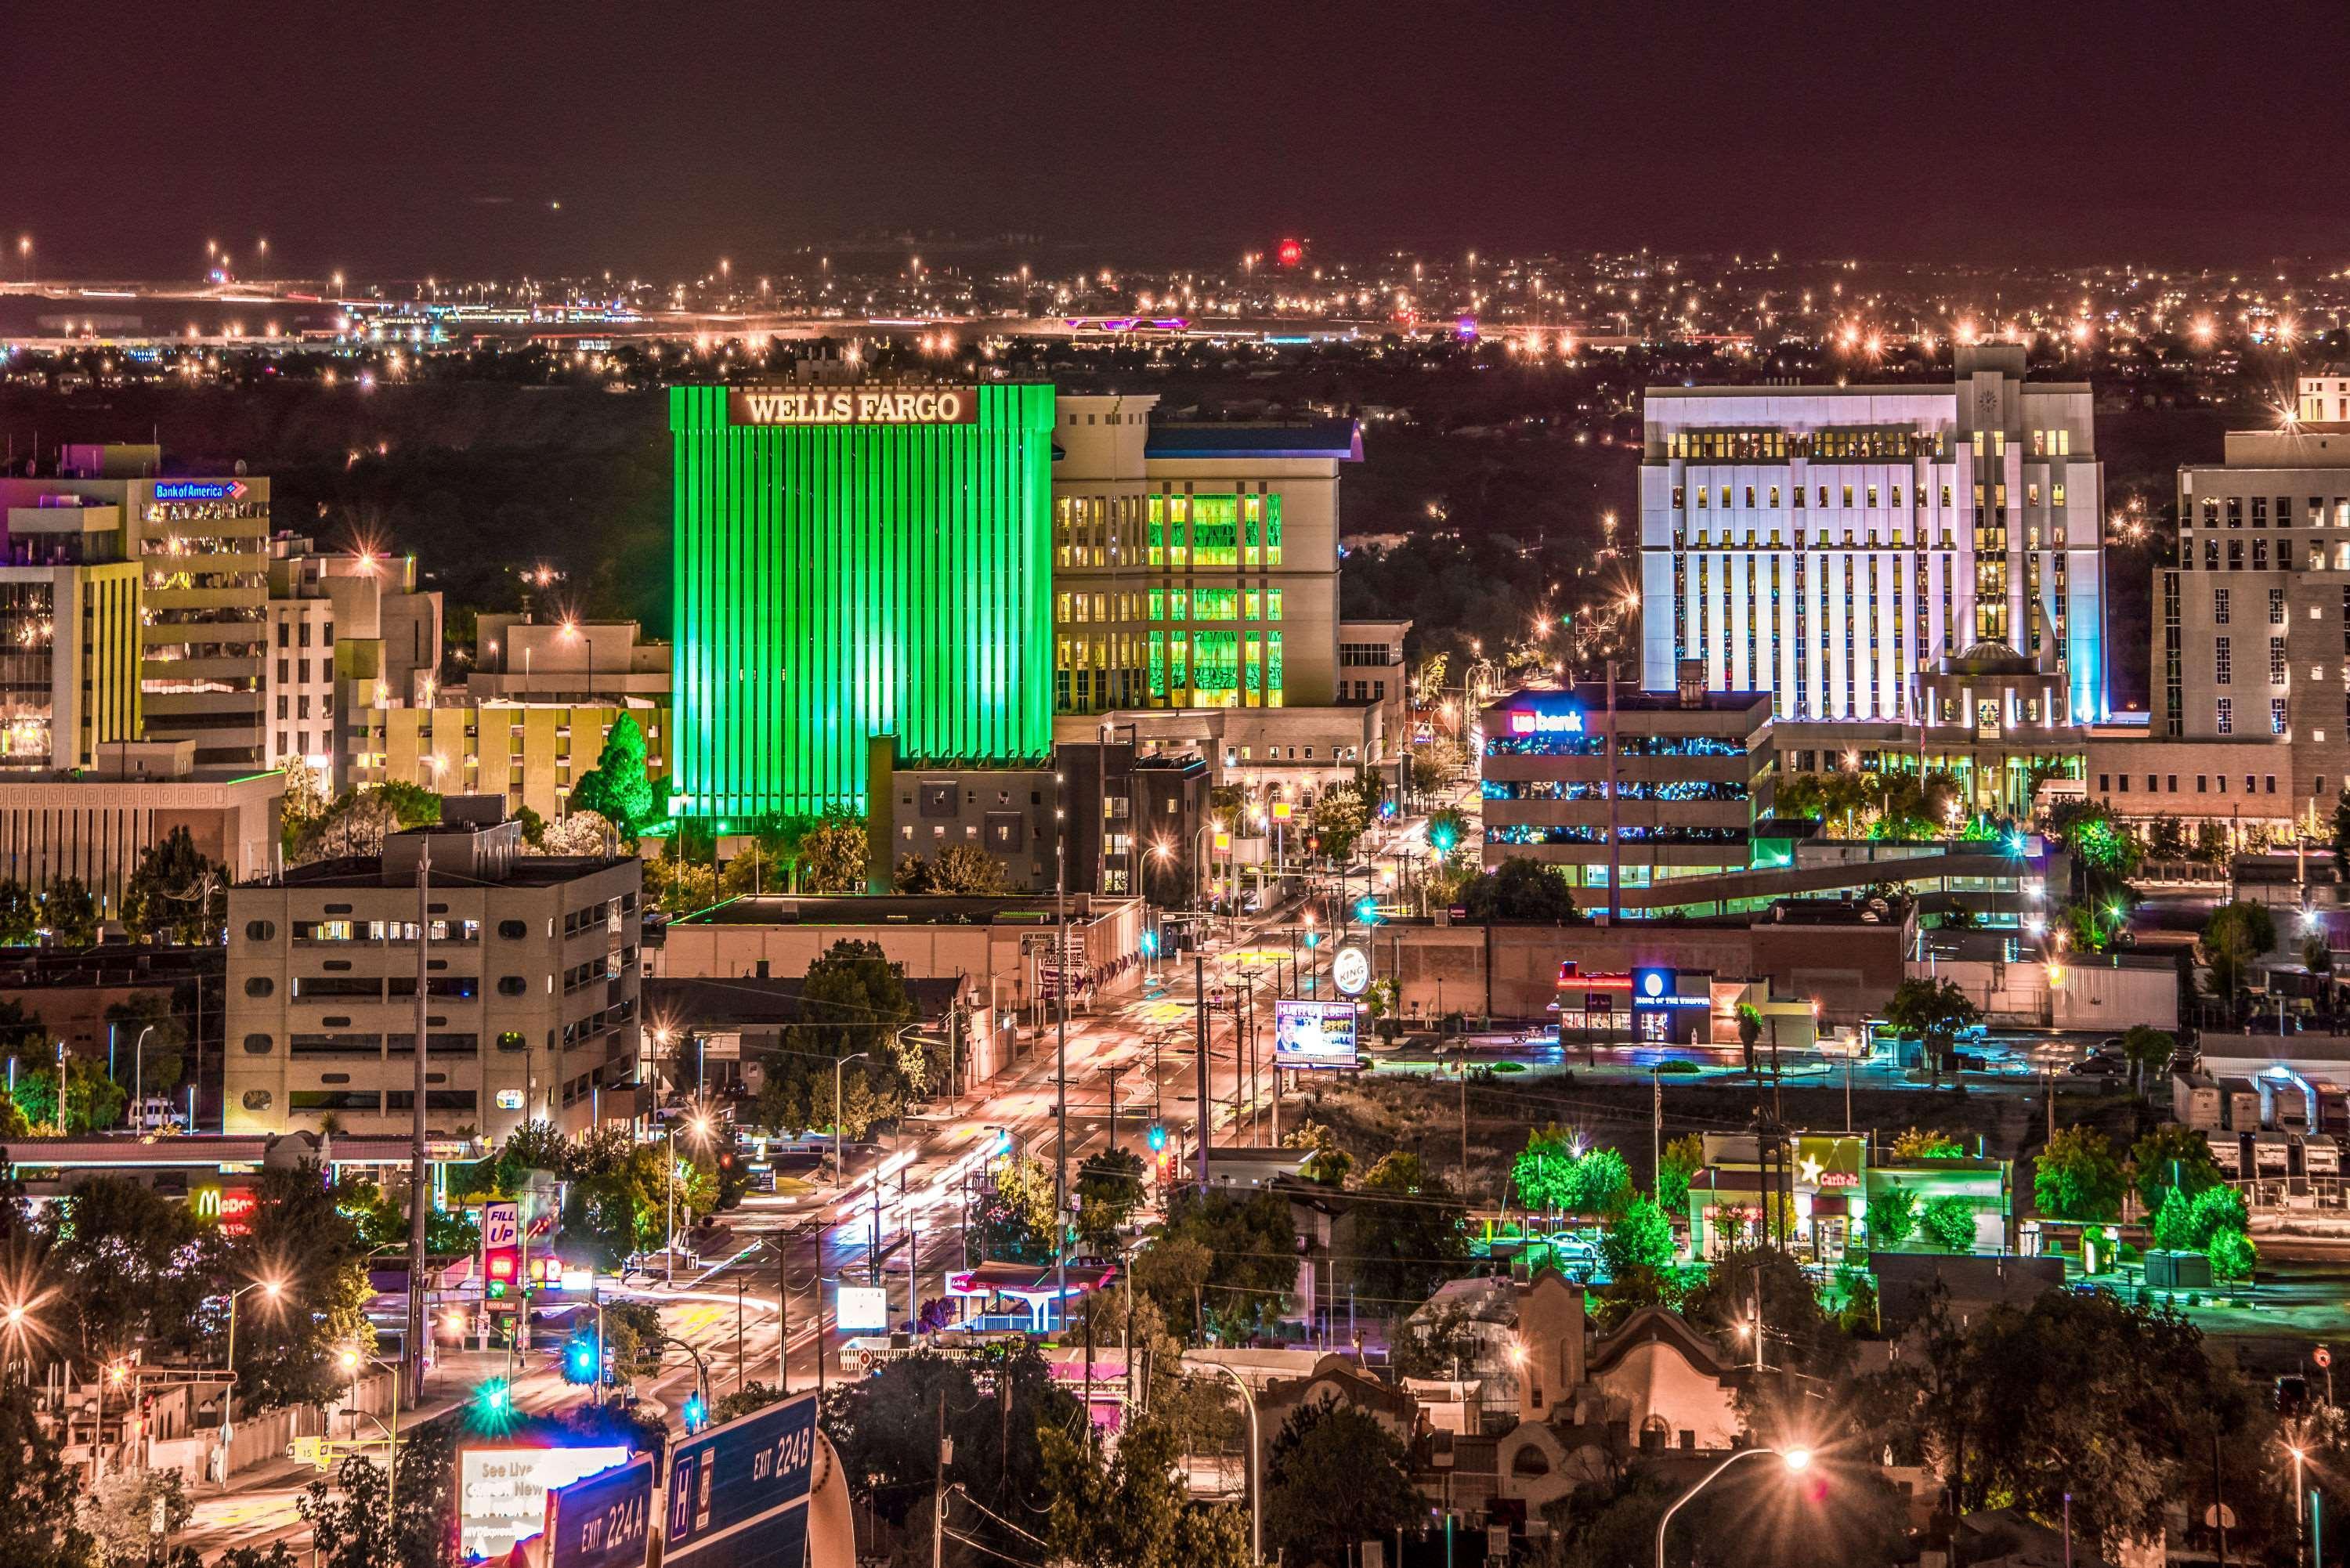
[1289, 253]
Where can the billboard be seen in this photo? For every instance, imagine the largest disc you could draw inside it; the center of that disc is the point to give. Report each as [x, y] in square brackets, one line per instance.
[861, 1309]
[501, 1245]
[737, 1495]
[1313, 1034]
[603, 1522]
[501, 1493]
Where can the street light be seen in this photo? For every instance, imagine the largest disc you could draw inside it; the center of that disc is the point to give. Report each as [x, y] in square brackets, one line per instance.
[1796, 1460]
[699, 1127]
[271, 1290]
[1256, 1489]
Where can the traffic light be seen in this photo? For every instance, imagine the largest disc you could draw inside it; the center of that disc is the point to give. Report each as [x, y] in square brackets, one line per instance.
[1367, 911]
[1157, 1136]
[1313, 939]
[1442, 836]
[1150, 944]
[493, 1400]
[696, 1413]
[579, 1359]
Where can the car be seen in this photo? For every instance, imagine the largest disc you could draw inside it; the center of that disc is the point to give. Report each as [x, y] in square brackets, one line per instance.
[2111, 1045]
[2099, 1067]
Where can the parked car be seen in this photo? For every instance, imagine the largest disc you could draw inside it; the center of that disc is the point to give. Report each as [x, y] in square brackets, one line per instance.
[2099, 1065]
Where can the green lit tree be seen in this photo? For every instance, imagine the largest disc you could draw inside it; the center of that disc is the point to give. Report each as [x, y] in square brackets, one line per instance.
[2172, 1157]
[618, 787]
[1892, 1216]
[1639, 1238]
[1950, 1221]
[834, 853]
[2078, 1177]
[1936, 1013]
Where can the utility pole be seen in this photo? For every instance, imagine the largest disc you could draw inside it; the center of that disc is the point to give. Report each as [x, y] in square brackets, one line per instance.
[1113, 1070]
[784, 1325]
[938, 1493]
[418, 1194]
[1199, 1015]
[1615, 837]
[1061, 1069]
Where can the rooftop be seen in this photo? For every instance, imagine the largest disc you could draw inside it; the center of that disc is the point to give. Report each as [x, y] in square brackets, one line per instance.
[1340, 439]
[889, 909]
[367, 871]
[710, 1004]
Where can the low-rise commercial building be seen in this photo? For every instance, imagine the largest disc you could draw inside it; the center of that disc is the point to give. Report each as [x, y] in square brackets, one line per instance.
[531, 990]
[1814, 1190]
[95, 823]
[1006, 946]
[533, 753]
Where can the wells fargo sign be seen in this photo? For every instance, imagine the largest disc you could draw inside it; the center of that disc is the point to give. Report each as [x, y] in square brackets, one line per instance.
[855, 406]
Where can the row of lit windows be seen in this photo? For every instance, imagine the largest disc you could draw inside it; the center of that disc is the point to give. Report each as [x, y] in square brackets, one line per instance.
[1168, 530]
[2229, 511]
[1821, 540]
[1168, 605]
[1686, 496]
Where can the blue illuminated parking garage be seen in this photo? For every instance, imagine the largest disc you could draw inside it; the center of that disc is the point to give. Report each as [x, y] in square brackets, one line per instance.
[1663, 786]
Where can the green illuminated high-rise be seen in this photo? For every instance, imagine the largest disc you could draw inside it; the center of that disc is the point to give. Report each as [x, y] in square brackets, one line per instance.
[854, 561]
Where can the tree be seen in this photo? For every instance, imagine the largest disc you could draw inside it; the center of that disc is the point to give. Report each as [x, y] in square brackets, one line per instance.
[2172, 1156]
[37, 1493]
[120, 1510]
[2233, 937]
[2130, 1431]
[834, 853]
[962, 870]
[1448, 832]
[134, 1268]
[1520, 890]
[634, 1340]
[1927, 1143]
[1750, 1030]
[1012, 1218]
[93, 1100]
[2317, 953]
[70, 913]
[1132, 1511]
[175, 894]
[1640, 1237]
[852, 1001]
[617, 787]
[2078, 1177]
[2187, 1223]
[1108, 1191]
[1410, 1233]
[1334, 1475]
[2147, 1050]
[352, 1522]
[1936, 1013]
[1340, 818]
[676, 887]
[2233, 1255]
[1555, 1174]
[305, 800]
[1682, 1159]
[1249, 1248]
[1328, 1164]
[1799, 1330]
[886, 1429]
[286, 1345]
[1892, 1216]
[1949, 1220]
[19, 916]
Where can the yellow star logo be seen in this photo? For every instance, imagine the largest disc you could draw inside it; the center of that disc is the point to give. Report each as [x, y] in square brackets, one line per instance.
[1809, 1169]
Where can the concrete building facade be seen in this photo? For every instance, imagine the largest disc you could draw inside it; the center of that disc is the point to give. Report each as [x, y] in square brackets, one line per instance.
[532, 992]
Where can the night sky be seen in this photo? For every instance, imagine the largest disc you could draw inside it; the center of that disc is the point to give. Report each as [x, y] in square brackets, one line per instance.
[404, 139]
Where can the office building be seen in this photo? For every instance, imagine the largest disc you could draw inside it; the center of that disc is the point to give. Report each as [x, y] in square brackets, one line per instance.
[1837, 547]
[97, 821]
[532, 994]
[200, 546]
[1689, 773]
[856, 560]
[2251, 629]
[348, 632]
[70, 636]
[1194, 565]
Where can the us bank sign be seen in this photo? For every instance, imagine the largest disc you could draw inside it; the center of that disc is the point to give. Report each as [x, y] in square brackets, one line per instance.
[855, 406]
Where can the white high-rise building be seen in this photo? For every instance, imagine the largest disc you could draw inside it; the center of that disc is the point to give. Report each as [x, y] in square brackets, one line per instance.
[1868, 554]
